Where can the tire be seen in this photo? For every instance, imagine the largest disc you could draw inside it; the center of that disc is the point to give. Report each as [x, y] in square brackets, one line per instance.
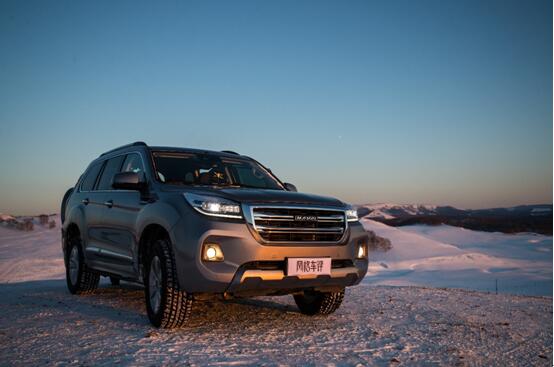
[168, 306]
[319, 303]
[80, 279]
[115, 281]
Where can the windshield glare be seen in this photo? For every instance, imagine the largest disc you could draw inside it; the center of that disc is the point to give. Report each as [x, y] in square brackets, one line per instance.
[211, 170]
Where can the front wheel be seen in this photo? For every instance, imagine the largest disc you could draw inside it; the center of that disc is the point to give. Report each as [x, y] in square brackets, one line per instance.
[80, 279]
[319, 303]
[167, 305]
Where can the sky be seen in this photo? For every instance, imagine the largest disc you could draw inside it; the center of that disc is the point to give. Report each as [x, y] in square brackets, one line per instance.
[438, 102]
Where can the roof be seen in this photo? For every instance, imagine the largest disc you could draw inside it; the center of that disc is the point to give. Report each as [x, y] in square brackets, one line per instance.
[228, 153]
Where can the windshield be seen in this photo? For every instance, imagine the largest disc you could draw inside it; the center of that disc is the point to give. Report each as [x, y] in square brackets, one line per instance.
[211, 170]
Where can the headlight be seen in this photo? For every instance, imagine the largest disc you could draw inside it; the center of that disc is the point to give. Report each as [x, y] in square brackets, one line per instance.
[351, 215]
[213, 205]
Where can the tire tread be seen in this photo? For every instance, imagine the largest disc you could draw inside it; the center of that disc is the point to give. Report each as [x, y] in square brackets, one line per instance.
[88, 279]
[319, 303]
[178, 303]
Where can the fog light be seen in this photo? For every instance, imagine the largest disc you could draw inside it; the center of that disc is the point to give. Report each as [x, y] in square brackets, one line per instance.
[212, 252]
[362, 252]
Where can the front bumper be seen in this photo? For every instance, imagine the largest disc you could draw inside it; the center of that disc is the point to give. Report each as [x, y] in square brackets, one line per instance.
[268, 282]
[236, 275]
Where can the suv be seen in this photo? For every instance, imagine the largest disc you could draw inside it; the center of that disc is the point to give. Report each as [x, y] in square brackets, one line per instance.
[193, 224]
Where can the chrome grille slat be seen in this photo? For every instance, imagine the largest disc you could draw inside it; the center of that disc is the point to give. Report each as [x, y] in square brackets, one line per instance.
[306, 230]
[281, 224]
[291, 218]
[273, 217]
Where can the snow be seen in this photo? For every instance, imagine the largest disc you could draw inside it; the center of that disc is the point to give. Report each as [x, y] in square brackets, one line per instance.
[6, 217]
[529, 246]
[446, 256]
[42, 323]
[388, 210]
[44, 246]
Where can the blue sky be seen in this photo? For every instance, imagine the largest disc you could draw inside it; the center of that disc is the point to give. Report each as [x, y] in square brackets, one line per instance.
[441, 102]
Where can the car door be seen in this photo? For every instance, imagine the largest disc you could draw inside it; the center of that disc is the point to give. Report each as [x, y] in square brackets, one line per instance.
[92, 203]
[103, 249]
[120, 216]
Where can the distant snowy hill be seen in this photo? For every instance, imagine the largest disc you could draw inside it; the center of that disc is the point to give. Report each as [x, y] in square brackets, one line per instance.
[523, 218]
[390, 211]
[446, 256]
[6, 217]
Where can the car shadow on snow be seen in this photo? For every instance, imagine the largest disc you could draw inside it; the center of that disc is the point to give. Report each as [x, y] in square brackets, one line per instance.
[126, 304]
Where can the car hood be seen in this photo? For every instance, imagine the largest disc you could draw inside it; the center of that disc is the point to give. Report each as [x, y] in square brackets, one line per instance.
[261, 196]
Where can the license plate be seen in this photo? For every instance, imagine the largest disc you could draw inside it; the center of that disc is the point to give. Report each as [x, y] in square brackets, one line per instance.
[307, 266]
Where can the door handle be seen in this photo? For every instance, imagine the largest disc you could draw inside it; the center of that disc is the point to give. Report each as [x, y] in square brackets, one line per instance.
[108, 203]
[85, 201]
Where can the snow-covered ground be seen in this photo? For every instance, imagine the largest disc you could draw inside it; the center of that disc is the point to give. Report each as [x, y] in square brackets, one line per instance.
[41, 323]
[33, 255]
[446, 256]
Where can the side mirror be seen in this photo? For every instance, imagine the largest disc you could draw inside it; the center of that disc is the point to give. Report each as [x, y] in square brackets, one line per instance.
[290, 187]
[129, 181]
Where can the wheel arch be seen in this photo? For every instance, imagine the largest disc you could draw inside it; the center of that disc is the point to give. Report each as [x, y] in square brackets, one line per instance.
[65, 199]
[149, 233]
[156, 219]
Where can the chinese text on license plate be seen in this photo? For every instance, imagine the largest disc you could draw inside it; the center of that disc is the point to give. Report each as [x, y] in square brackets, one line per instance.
[309, 266]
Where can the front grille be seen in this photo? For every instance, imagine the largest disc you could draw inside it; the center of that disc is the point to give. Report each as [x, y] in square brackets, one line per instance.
[299, 224]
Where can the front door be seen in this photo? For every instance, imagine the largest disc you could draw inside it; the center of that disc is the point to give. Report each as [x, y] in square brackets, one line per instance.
[119, 222]
[102, 249]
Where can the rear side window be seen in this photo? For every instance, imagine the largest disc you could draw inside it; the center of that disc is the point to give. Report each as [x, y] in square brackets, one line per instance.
[110, 169]
[90, 177]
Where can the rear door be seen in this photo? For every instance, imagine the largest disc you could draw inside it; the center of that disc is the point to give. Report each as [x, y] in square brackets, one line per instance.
[92, 202]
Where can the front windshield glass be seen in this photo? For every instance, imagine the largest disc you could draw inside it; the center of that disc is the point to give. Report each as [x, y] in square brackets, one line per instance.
[211, 170]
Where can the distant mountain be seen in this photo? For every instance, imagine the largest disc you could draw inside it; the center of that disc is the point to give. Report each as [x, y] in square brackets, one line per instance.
[523, 218]
[391, 211]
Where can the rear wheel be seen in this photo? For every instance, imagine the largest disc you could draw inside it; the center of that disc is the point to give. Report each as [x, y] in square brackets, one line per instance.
[168, 306]
[319, 303]
[80, 279]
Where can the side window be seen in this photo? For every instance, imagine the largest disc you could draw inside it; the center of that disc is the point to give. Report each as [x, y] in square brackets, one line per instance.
[111, 168]
[90, 177]
[133, 163]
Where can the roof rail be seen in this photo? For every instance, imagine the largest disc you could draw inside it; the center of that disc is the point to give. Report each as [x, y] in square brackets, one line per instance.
[136, 143]
[229, 152]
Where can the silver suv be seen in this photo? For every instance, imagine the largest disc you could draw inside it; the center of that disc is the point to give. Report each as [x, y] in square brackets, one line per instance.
[193, 224]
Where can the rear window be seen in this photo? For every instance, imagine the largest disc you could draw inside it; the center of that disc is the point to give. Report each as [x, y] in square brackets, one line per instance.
[90, 177]
[111, 168]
